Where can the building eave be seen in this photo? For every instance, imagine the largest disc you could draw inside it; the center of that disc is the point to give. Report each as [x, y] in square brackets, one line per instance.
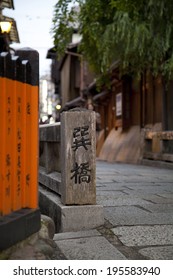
[7, 4]
[72, 48]
[75, 102]
[51, 53]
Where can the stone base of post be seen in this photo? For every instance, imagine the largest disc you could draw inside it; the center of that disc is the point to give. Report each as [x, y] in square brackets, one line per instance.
[70, 218]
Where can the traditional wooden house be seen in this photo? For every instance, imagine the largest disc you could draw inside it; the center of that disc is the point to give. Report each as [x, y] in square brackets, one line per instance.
[75, 78]
[134, 117]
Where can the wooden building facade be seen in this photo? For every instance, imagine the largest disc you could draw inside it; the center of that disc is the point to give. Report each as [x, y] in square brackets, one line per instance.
[136, 119]
[134, 116]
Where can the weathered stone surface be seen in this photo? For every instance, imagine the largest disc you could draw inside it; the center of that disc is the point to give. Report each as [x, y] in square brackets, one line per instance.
[47, 227]
[52, 180]
[145, 235]
[50, 156]
[49, 132]
[78, 154]
[81, 217]
[70, 218]
[76, 234]
[158, 253]
[133, 215]
[161, 208]
[44, 247]
[91, 248]
[49, 147]
[110, 200]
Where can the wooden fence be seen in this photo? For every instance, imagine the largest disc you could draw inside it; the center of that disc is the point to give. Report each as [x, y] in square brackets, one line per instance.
[18, 133]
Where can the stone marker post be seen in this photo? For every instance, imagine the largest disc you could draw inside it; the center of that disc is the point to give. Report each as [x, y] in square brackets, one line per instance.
[78, 155]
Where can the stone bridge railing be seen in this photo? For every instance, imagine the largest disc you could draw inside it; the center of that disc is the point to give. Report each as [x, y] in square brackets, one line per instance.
[49, 157]
[67, 172]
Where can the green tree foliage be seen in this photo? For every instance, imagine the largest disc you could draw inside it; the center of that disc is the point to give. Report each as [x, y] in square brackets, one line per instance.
[137, 33]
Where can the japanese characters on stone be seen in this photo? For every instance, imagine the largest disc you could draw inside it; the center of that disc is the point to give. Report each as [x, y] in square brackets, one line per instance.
[81, 172]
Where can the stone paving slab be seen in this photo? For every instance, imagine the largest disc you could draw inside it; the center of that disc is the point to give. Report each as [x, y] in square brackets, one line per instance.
[159, 199]
[89, 248]
[158, 253]
[112, 187]
[114, 193]
[133, 215]
[109, 200]
[76, 234]
[145, 235]
[149, 190]
[104, 181]
[138, 210]
[130, 169]
[168, 195]
[160, 208]
[112, 199]
[153, 198]
[136, 179]
[141, 187]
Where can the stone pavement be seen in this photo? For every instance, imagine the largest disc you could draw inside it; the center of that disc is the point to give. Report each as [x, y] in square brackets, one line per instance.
[138, 212]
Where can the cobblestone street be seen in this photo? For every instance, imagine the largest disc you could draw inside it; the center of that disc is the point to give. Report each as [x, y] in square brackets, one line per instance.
[138, 212]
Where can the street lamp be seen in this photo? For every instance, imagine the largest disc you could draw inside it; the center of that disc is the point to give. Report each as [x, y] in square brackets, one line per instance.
[58, 106]
[5, 26]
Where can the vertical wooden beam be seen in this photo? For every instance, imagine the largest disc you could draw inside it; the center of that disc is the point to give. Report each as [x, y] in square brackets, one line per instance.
[32, 109]
[19, 131]
[18, 150]
[16, 169]
[7, 136]
[2, 133]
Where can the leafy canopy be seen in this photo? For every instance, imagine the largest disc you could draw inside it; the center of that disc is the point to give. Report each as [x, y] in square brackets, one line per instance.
[137, 33]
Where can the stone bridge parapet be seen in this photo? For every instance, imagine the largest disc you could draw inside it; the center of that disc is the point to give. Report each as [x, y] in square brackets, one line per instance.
[67, 172]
